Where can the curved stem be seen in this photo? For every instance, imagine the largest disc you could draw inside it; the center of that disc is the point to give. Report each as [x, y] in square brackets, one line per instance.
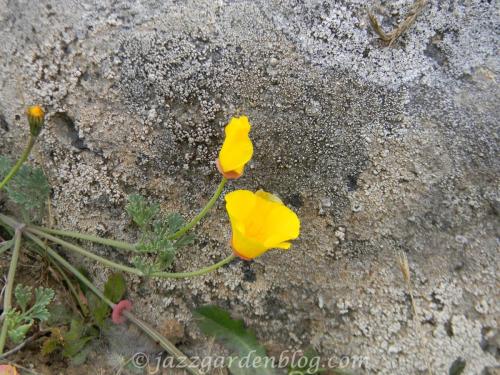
[121, 267]
[69, 267]
[151, 332]
[19, 163]
[202, 213]
[166, 275]
[88, 237]
[7, 303]
[82, 251]
[131, 247]
[201, 271]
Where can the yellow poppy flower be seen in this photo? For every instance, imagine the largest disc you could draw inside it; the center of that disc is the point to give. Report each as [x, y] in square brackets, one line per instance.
[237, 149]
[260, 222]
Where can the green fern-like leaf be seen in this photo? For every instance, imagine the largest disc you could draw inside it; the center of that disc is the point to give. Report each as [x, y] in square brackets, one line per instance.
[174, 222]
[17, 334]
[43, 296]
[166, 255]
[146, 266]
[155, 239]
[20, 321]
[141, 211]
[29, 188]
[23, 296]
[156, 233]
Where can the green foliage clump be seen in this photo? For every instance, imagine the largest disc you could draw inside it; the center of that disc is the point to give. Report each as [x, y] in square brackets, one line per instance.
[22, 319]
[141, 211]
[157, 231]
[29, 189]
[75, 342]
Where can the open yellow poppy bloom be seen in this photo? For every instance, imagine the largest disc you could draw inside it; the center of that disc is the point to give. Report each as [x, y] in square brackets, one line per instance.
[260, 222]
[237, 149]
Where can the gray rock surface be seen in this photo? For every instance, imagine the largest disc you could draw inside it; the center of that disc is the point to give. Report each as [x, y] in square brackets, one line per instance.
[377, 149]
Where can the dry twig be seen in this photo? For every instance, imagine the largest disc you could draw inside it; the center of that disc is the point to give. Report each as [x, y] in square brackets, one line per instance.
[393, 35]
[405, 270]
[35, 336]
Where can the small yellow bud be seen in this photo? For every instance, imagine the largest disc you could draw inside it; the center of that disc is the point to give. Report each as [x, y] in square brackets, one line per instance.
[36, 119]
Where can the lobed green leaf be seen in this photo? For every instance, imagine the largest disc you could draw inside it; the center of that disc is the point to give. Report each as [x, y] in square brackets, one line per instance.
[141, 211]
[29, 188]
[23, 295]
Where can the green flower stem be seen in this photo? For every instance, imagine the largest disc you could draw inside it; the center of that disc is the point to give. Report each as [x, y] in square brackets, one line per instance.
[135, 271]
[7, 302]
[84, 252]
[131, 247]
[201, 271]
[202, 213]
[19, 163]
[164, 275]
[151, 332]
[87, 237]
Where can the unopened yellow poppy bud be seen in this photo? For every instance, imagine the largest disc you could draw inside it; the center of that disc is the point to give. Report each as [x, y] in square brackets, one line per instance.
[237, 149]
[260, 222]
[8, 370]
[36, 119]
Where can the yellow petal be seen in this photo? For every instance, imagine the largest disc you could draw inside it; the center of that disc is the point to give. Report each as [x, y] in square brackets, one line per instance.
[282, 224]
[246, 247]
[260, 221]
[240, 204]
[284, 245]
[237, 149]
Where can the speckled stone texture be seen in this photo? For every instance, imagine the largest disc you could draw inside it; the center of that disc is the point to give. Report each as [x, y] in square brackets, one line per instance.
[377, 149]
